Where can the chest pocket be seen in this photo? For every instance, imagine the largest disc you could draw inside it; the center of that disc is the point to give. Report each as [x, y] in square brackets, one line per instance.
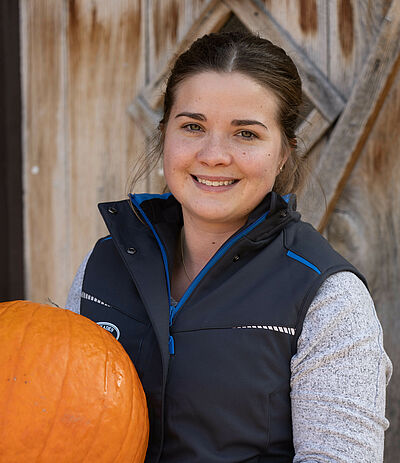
[126, 327]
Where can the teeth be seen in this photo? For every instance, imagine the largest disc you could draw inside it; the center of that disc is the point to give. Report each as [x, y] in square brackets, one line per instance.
[214, 183]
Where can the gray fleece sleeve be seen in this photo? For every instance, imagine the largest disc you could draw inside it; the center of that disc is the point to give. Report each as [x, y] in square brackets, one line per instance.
[74, 296]
[339, 377]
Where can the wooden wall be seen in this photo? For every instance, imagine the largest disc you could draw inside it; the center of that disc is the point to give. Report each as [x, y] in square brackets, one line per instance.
[92, 75]
[82, 64]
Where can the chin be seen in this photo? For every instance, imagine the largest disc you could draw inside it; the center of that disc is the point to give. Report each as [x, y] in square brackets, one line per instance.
[214, 216]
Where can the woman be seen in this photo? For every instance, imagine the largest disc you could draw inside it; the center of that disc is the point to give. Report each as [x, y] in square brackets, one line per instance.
[254, 340]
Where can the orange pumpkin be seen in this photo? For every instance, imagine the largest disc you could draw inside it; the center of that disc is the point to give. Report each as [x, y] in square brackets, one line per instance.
[68, 390]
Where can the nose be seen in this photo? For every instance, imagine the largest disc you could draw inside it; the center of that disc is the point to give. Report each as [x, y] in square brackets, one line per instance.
[215, 152]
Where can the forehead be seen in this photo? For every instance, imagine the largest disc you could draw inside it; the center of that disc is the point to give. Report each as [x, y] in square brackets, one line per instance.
[228, 93]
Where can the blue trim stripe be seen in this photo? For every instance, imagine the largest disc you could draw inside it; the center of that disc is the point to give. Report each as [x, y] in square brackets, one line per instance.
[303, 261]
[140, 198]
[163, 253]
[212, 262]
[105, 239]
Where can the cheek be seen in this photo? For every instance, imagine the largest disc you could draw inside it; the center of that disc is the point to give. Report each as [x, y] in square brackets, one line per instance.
[260, 166]
[175, 165]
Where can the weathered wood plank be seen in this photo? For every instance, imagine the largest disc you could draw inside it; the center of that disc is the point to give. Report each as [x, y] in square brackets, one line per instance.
[312, 130]
[352, 130]
[211, 19]
[365, 228]
[169, 21]
[45, 163]
[82, 63]
[144, 116]
[318, 89]
[353, 29]
[106, 66]
[306, 22]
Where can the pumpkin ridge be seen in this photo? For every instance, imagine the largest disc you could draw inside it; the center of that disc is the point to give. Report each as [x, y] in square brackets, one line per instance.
[100, 417]
[8, 401]
[143, 426]
[144, 431]
[60, 395]
[127, 432]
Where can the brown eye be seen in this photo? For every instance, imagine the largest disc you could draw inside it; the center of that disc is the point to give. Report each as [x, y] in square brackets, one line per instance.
[192, 127]
[247, 134]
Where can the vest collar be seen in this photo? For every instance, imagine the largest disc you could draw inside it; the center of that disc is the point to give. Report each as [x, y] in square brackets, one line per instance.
[163, 215]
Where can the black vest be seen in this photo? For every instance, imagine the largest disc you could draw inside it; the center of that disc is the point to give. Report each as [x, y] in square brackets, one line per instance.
[216, 368]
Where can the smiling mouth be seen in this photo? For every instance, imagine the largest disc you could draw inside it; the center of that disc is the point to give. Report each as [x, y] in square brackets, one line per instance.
[209, 182]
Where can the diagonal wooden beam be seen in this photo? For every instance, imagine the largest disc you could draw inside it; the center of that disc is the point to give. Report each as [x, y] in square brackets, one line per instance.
[311, 130]
[212, 18]
[317, 87]
[352, 129]
[144, 116]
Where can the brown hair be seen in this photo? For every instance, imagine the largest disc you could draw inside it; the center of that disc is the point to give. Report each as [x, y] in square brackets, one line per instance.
[258, 59]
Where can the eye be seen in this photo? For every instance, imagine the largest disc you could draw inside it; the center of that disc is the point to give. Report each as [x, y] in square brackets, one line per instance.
[246, 134]
[192, 127]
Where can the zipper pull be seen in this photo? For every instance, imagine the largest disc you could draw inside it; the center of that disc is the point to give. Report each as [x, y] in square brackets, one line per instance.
[171, 345]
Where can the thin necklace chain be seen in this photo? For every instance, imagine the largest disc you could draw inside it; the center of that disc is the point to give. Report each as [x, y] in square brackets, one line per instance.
[183, 259]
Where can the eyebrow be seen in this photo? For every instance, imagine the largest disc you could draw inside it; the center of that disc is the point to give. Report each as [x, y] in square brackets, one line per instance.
[197, 116]
[235, 122]
[239, 122]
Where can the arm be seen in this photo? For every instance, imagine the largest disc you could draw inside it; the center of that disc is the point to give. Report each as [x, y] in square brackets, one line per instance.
[339, 376]
[74, 296]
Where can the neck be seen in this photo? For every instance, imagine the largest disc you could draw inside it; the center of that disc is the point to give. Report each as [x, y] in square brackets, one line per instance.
[201, 241]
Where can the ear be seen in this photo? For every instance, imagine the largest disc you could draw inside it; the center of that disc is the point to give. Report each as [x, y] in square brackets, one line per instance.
[284, 157]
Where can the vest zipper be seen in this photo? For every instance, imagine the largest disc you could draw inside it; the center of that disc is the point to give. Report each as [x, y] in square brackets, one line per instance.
[174, 309]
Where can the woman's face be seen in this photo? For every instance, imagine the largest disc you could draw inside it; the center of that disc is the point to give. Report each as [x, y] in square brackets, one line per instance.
[222, 147]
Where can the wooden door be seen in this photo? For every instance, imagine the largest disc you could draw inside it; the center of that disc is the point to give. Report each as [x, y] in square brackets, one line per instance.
[93, 75]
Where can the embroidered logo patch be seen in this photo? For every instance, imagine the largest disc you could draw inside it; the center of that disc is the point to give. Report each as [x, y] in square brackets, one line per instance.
[111, 328]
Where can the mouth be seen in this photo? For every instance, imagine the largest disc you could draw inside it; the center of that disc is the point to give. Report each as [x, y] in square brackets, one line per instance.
[215, 181]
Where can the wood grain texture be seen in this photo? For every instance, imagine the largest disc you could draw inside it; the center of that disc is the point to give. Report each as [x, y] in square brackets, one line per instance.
[47, 232]
[365, 228]
[105, 67]
[82, 62]
[169, 22]
[311, 130]
[144, 116]
[318, 89]
[210, 19]
[356, 122]
[353, 27]
[306, 22]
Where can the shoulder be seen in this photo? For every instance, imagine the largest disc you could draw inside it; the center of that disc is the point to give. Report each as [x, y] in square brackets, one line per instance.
[341, 299]
[302, 239]
[341, 327]
[74, 295]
